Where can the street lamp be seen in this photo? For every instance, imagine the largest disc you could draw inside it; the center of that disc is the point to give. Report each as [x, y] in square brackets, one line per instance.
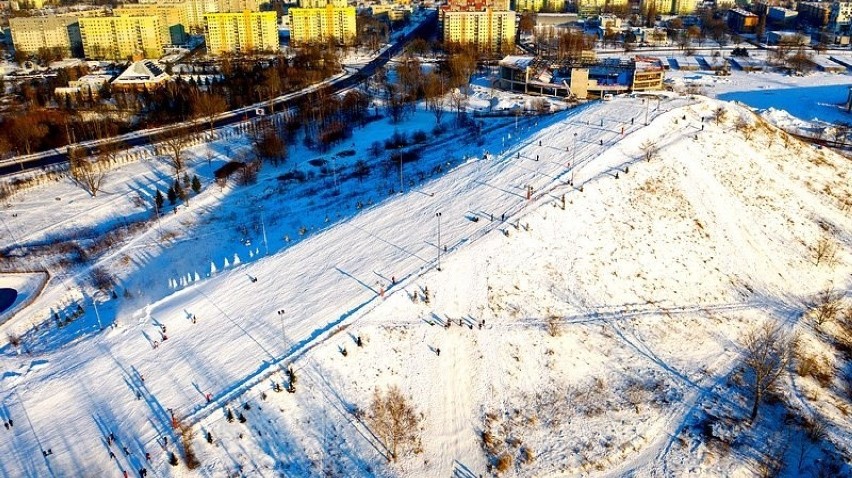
[573, 158]
[438, 215]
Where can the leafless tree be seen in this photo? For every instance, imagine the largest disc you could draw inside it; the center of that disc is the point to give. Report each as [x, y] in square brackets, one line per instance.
[28, 130]
[827, 306]
[86, 173]
[174, 145]
[825, 250]
[207, 106]
[719, 114]
[393, 419]
[767, 352]
[459, 100]
[650, 150]
[436, 98]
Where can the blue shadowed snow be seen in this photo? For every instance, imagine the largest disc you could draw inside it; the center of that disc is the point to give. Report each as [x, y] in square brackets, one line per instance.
[7, 298]
[809, 103]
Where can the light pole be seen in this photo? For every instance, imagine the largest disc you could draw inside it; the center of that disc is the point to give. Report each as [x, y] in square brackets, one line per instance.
[97, 314]
[438, 215]
[573, 158]
[401, 188]
[647, 104]
[263, 228]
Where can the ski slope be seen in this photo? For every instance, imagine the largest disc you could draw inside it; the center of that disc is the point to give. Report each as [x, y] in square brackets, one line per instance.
[654, 267]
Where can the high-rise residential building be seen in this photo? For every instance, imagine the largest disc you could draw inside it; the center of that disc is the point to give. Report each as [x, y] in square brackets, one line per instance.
[488, 30]
[244, 32]
[672, 7]
[196, 9]
[172, 15]
[323, 23]
[32, 34]
[322, 3]
[488, 25]
[551, 6]
[26, 4]
[119, 38]
[589, 7]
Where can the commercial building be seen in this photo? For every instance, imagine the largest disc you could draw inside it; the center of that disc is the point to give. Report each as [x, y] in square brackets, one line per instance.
[246, 32]
[535, 76]
[119, 38]
[320, 24]
[32, 34]
[173, 16]
[817, 14]
[741, 21]
[141, 75]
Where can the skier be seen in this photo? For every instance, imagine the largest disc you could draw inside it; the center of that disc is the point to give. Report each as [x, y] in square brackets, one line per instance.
[111, 455]
[147, 457]
[622, 130]
[111, 438]
[163, 328]
[539, 142]
[209, 397]
[126, 451]
[438, 351]
[165, 337]
[165, 441]
[6, 424]
[631, 121]
[155, 344]
[393, 280]
[601, 142]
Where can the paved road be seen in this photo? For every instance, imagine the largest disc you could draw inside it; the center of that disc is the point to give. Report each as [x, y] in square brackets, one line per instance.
[145, 137]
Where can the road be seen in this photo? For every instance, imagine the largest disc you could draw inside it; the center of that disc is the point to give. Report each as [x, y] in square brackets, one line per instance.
[141, 138]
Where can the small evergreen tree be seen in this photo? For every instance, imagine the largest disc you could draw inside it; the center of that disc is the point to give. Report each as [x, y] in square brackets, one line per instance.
[229, 415]
[179, 192]
[196, 185]
[158, 200]
[171, 195]
[185, 180]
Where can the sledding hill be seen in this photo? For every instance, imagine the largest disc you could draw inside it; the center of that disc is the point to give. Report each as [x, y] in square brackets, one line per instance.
[613, 321]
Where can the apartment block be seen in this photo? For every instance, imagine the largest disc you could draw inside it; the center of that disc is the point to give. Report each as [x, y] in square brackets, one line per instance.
[673, 7]
[119, 38]
[591, 7]
[31, 34]
[310, 25]
[244, 32]
[552, 6]
[196, 9]
[323, 3]
[488, 30]
[173, 16]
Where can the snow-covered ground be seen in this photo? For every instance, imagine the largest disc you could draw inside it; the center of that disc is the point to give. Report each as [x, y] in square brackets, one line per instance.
[613, 309]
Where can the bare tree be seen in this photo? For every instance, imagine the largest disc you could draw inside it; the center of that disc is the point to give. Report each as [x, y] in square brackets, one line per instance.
[767, 351]
[827, 306]
[825, 250]
[394, 420]
[86, 173]
[459, 100]
[207, 106]
[28, 130]
[435, 91]
[650, 150]
[719, 114]
[174, 145]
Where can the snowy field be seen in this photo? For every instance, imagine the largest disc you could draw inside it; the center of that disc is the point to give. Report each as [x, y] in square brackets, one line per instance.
[614, 292]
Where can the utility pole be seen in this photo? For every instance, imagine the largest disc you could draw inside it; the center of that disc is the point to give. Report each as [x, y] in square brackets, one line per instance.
[438, 215]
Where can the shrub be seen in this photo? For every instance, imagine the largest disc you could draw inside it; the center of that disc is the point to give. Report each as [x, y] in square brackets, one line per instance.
[818, 368]
[419, 136]
[504, 462]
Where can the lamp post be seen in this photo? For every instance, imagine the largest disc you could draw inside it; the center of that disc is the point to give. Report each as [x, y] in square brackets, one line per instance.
[573, 158]
[438, 215]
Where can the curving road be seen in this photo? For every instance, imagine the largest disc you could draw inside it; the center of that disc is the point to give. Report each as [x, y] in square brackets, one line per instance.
[140, 138]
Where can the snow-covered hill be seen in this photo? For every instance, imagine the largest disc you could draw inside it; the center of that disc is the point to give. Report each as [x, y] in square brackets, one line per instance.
[594, 328]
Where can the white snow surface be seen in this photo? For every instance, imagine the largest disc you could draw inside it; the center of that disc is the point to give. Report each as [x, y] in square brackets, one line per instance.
[653, 272]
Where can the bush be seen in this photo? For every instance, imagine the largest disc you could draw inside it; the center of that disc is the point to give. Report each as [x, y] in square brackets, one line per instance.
[101, 279]
[225, 171]
[818, 368]
[419, 136]
[504, 462]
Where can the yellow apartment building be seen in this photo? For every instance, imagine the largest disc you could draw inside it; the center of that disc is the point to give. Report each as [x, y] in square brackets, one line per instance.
[488, 30]
[554, 6]
[244, 32]
[173, 16]
[31, 34]
[119, 38]
[311, 25]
